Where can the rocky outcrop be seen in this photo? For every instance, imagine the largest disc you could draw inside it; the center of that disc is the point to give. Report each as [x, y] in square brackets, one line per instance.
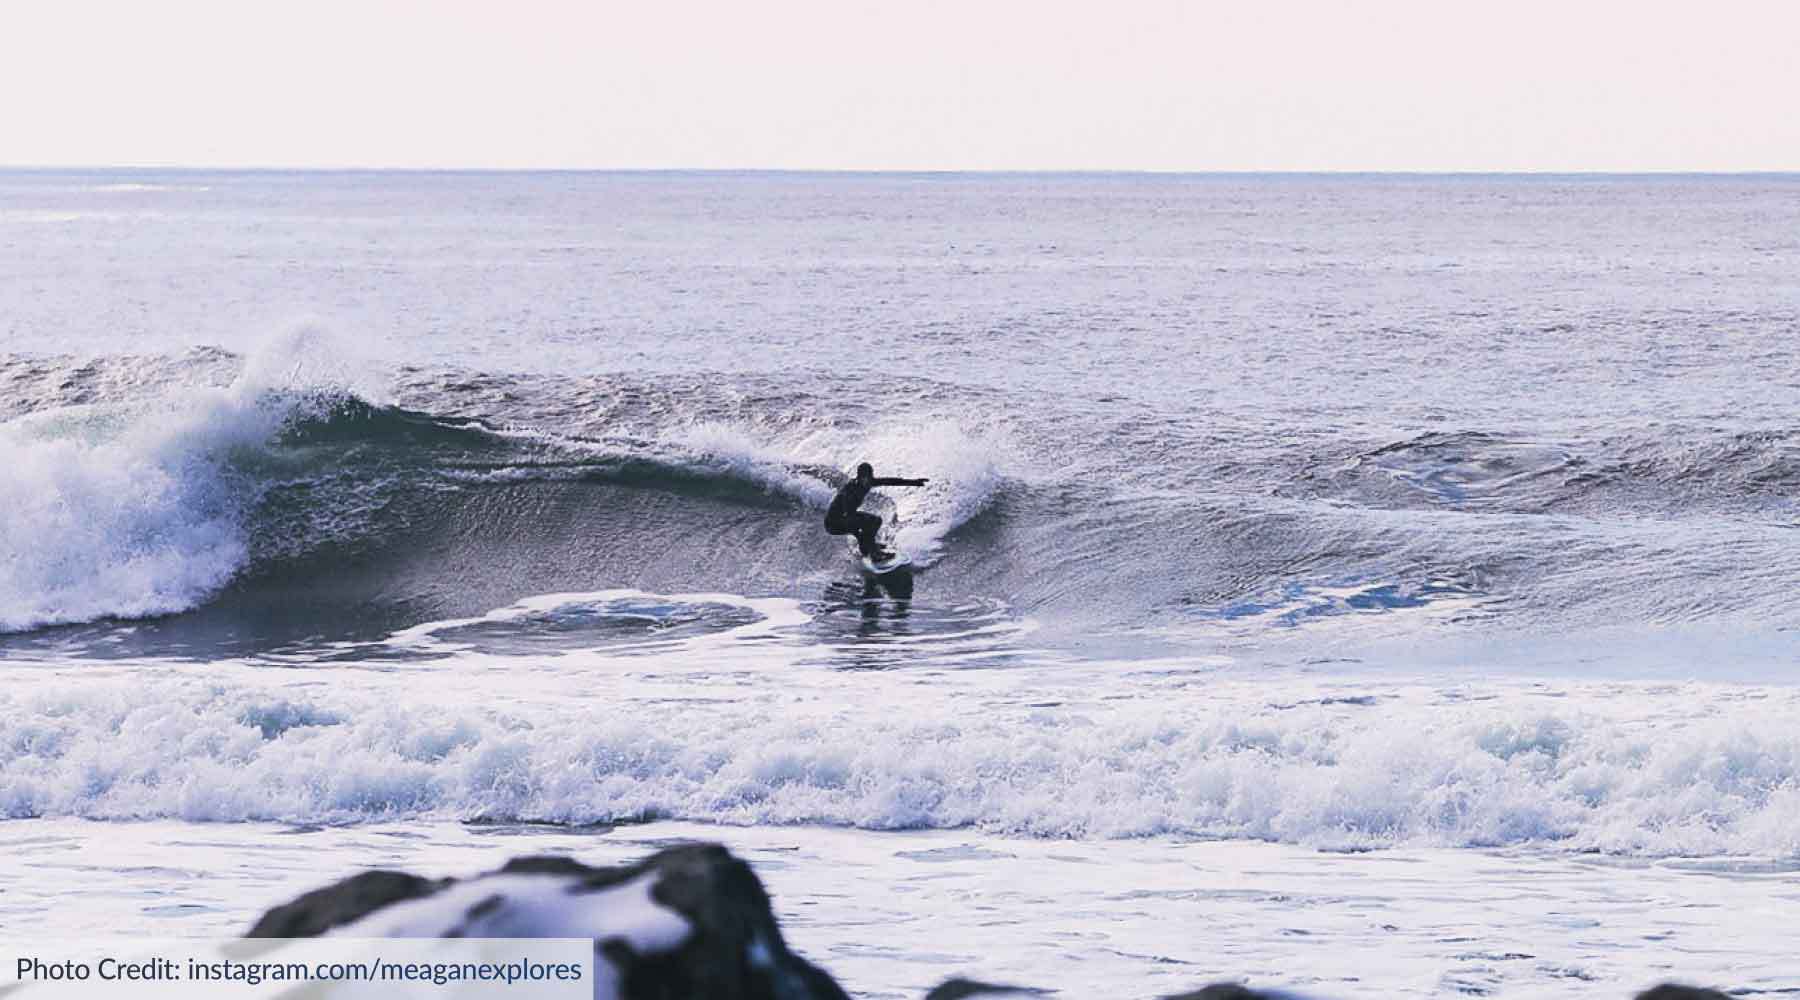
[352, 899]
[1676, 991]
[1232, 991]
[970, 989]
[690, 921]
[687, 922]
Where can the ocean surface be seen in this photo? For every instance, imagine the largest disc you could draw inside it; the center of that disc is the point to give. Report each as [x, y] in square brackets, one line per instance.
[1359, 584]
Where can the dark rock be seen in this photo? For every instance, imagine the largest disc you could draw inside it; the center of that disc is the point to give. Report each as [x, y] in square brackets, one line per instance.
[346, 902]
[1227, 991]
[959, 988]
[690, 921]
[1676, 991]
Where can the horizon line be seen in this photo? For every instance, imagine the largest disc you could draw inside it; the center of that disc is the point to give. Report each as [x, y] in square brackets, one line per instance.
[908, 171]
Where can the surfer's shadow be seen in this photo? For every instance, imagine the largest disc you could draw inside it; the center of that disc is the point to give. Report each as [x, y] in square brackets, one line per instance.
[861, 618]
[864, 626]
[881, 608]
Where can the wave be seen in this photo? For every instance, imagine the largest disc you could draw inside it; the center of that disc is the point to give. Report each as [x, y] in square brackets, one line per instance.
[129, 510]
[1669, 471]
[141, 507]
[179, 494]
[289, 494]
[1341, 774]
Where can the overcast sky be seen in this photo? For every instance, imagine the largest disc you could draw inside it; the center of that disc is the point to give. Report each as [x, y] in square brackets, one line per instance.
[1107, 84]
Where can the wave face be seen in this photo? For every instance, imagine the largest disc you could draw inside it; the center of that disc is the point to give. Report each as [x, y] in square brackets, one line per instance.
[135, 496]
[260, 492]
[263, 500]
[142, 524]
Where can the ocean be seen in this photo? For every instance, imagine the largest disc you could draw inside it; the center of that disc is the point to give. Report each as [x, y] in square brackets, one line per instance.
[1364, 585]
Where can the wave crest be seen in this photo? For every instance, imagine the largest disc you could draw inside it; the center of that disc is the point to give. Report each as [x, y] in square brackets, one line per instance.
[1349, 774]
[133, 509]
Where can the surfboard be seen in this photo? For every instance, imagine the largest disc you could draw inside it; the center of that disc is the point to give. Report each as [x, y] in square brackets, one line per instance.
[900, 561]
[890, 527]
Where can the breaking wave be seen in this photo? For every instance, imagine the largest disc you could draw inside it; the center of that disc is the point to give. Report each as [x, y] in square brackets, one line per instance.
[289, 491]
[1366, 772]
[147, 506]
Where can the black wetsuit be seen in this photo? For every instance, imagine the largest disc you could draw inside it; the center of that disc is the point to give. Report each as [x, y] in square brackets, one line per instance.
[844, 519]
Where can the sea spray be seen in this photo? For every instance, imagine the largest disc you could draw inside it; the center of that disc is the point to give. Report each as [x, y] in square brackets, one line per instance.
[127, 510]
[964, 465]
[1418, 766]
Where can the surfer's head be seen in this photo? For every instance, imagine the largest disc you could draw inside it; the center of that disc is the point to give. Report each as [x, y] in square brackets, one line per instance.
[865, 471]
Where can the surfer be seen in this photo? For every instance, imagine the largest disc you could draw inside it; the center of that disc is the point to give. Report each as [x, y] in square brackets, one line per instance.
[844, 519]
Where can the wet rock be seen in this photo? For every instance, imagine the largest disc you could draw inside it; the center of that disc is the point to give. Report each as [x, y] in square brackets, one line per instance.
[1676, 991]
[690, 921]
[322, 909]
[1232, 991]
[970, 989]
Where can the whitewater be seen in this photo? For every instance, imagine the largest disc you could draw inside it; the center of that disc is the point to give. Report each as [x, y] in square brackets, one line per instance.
[1404, 563]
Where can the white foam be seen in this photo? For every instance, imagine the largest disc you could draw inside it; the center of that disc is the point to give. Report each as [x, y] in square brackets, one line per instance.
[772, 613]
[537, 906]
[1682, 771]
[758, 457]
[101, 521]
[963, 464]
[533, 905]
[139, 187]
[131, 511]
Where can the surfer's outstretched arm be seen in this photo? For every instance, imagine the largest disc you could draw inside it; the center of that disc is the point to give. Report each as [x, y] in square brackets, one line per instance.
[892, 481]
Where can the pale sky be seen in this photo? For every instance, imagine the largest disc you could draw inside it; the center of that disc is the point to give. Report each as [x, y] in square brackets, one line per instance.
[1122, 85]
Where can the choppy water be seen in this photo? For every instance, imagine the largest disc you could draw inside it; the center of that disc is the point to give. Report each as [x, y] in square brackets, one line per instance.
[1413, 514]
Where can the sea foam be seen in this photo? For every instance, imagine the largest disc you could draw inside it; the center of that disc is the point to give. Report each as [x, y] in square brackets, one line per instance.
[965, 466]
[1421, 770]
[127, 510]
